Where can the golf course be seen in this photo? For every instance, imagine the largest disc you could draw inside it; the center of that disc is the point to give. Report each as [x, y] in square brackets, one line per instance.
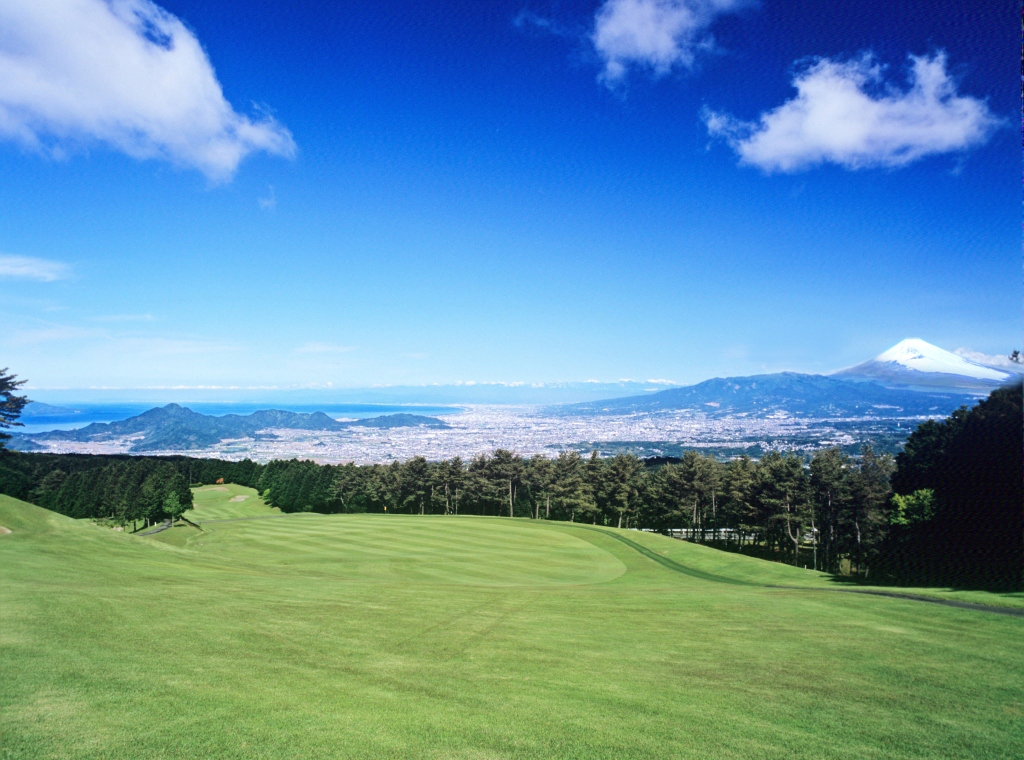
[254, 634]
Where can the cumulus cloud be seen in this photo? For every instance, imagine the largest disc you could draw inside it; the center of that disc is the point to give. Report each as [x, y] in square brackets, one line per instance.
[31, 268]
[846, 113]
[657, 35]
[1002, 362]
[125, 73]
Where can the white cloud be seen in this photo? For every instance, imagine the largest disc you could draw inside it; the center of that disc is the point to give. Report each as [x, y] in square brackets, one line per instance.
[31, 268]
[323, 348]
[126, 73]
[658, 35]
[1002, 362]
[846, 113]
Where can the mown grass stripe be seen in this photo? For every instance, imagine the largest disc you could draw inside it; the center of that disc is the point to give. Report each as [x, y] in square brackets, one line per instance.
[669, 563]
[673, 565]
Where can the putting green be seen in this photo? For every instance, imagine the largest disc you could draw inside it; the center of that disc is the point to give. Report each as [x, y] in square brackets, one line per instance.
[422, 637]
[406, 549]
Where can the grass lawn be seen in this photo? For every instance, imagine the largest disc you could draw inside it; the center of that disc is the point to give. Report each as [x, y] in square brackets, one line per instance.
[178, 535]
[480, 638]
[226, 502]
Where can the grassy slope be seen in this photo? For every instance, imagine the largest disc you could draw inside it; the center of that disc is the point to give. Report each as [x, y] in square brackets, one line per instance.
[215, 503]
[369, 636]
[178, 535]
[767, 573]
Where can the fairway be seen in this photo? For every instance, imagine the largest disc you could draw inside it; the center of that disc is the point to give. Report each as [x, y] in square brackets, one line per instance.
[226, 502]
[463, 637]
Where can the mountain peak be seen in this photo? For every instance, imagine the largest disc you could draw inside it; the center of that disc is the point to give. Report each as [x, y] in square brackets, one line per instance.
[910, 348]
[916, 362]
[921, 356]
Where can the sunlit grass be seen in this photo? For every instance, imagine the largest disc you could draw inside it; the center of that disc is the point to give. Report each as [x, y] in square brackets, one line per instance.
[225, 502]
[399, 636]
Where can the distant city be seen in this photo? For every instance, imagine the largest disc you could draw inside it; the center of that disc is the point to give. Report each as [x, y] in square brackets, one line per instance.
[878, 403]
[527, 430]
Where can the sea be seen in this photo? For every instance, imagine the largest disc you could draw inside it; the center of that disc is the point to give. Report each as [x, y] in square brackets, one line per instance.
[85, 414]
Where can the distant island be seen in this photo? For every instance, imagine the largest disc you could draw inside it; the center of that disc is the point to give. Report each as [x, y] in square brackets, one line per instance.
[39, 409]
[174, 427]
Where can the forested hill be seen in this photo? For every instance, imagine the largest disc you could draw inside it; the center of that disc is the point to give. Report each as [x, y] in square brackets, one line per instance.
[793, 393]
[175, 427]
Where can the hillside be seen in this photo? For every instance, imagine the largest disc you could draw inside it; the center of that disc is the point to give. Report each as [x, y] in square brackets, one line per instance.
[372, 636]
[788, 393]
[176, 427]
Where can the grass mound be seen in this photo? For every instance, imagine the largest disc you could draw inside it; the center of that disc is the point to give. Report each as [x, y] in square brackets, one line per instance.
[21, 517]
[406, 637]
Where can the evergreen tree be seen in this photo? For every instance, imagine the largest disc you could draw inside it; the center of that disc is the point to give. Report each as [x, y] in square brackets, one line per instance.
[832, 490]
[781, 494]
[10, 404]
[739, 510]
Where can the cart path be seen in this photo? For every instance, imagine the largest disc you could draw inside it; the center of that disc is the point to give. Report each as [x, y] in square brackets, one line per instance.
[162, 526]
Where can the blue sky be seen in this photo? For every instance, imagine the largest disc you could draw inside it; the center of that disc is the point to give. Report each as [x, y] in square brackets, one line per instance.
[505, 191]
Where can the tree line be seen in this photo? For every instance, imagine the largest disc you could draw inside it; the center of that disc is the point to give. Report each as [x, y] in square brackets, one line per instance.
[946, 510]
[127, 490]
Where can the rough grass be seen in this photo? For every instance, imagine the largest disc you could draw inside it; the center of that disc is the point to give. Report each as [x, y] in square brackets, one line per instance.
[409, 637]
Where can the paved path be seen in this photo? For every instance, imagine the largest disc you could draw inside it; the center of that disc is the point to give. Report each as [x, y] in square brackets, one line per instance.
[162, 526]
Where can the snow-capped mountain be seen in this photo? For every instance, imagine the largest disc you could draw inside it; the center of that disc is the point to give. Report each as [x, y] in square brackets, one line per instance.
[917, 363]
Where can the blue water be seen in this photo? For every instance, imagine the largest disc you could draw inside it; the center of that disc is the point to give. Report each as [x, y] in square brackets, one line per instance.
[89, 413]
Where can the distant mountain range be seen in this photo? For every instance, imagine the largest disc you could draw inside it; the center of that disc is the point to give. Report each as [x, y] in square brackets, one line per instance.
[783, 394]
[175, 428]
[911, 379]
[914, 363]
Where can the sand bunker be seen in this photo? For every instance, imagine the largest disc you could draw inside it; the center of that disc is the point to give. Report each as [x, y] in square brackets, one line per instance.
[215, 488]
[238, 498]
[4, 531]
